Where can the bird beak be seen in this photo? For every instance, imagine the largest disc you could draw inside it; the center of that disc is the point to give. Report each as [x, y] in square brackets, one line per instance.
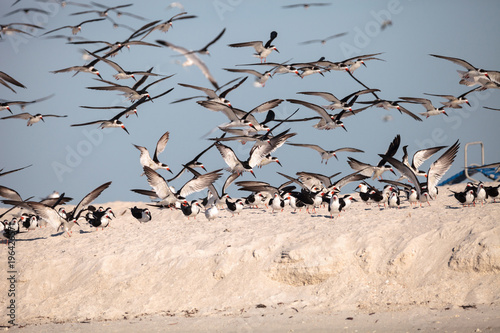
[275, 49]
[343, 127]
[277, 161]
[203, 167]
[445, 113]
[9, 110]
[123, 126]
[392, 171]
[41, 118]
[363, 63]
[149, 97]
[334, 155]
[251, 171]
[97, 73]
[168, 169]
[467, 103]
[133, 77]
[135, 111]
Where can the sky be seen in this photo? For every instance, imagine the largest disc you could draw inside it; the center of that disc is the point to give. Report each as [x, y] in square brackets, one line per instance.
[75, 160]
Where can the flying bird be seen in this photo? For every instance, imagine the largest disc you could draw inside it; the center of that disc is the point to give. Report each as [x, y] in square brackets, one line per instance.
[74, 28]
[32, 119]
[191, 59]
[262, 50]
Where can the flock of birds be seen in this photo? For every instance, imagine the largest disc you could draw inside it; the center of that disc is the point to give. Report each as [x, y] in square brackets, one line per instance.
[307, 190]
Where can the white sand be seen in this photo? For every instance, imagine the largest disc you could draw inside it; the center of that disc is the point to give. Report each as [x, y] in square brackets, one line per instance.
[408, 269]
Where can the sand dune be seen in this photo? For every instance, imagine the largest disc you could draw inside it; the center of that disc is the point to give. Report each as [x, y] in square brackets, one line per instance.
[410, 261]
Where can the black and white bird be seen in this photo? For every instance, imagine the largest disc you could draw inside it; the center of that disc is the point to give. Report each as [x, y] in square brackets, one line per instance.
[212, 95]
[326, 154]
[262, 50]
[141, 214]
[474, 75]
[191, 59]
[431, 109]
[113, 122]
[376, 171]
[191, 209]
[74, 28]
[32, 119]
[465, 198]
[168, 197]
[419, 157]
[154, 163]
[455, 102]
[235, 206]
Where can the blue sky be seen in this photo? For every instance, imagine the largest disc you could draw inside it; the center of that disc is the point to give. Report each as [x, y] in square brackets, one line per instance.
[75, 160]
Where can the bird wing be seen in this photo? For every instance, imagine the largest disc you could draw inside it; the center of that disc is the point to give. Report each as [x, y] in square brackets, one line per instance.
[199, 183]
[24, 115]
[423, 154]
[158, 183]
[160, 145]
[315, 147]
[441, 165]
[318, 109]
[46, 213]
[409, 113]
[210, 92]
[353, 177]
[326, 95]
[457, 61]
[405, 170]
[10, 79]
[9, 193]
[228, 155]
[89, 198]
[392, 149]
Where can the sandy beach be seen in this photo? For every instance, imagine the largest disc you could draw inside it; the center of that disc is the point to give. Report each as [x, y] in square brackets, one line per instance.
[371, 269]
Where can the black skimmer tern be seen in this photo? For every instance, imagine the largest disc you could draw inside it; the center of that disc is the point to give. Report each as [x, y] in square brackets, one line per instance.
[130, 109]
[27, 11]
[492, 192]
[9, 28]
[191, 59]
[5, 79]
[5, 105]
[257, 153]
[277, 68]
[64, 3]
[324, 40]
[376, 171]
[165, 193]
[387, 105]
[473, 74]
[327, 121]
[204, 49]
[74, 28]
[212, 94]
[154, 163]
[345, 103]
[122, 74]
[431, 109]
[326, 154]
[465, 198]
[191, 209]
[133, 93]
[481, 194]
[393, 201]
[163, 27]
[32, 119]
[454, 102]
[235, 206]
[419, 157]
[102, 13]
[260, 78]
[307, 5]
[262, 50]
[113, 122]
[141, 214]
